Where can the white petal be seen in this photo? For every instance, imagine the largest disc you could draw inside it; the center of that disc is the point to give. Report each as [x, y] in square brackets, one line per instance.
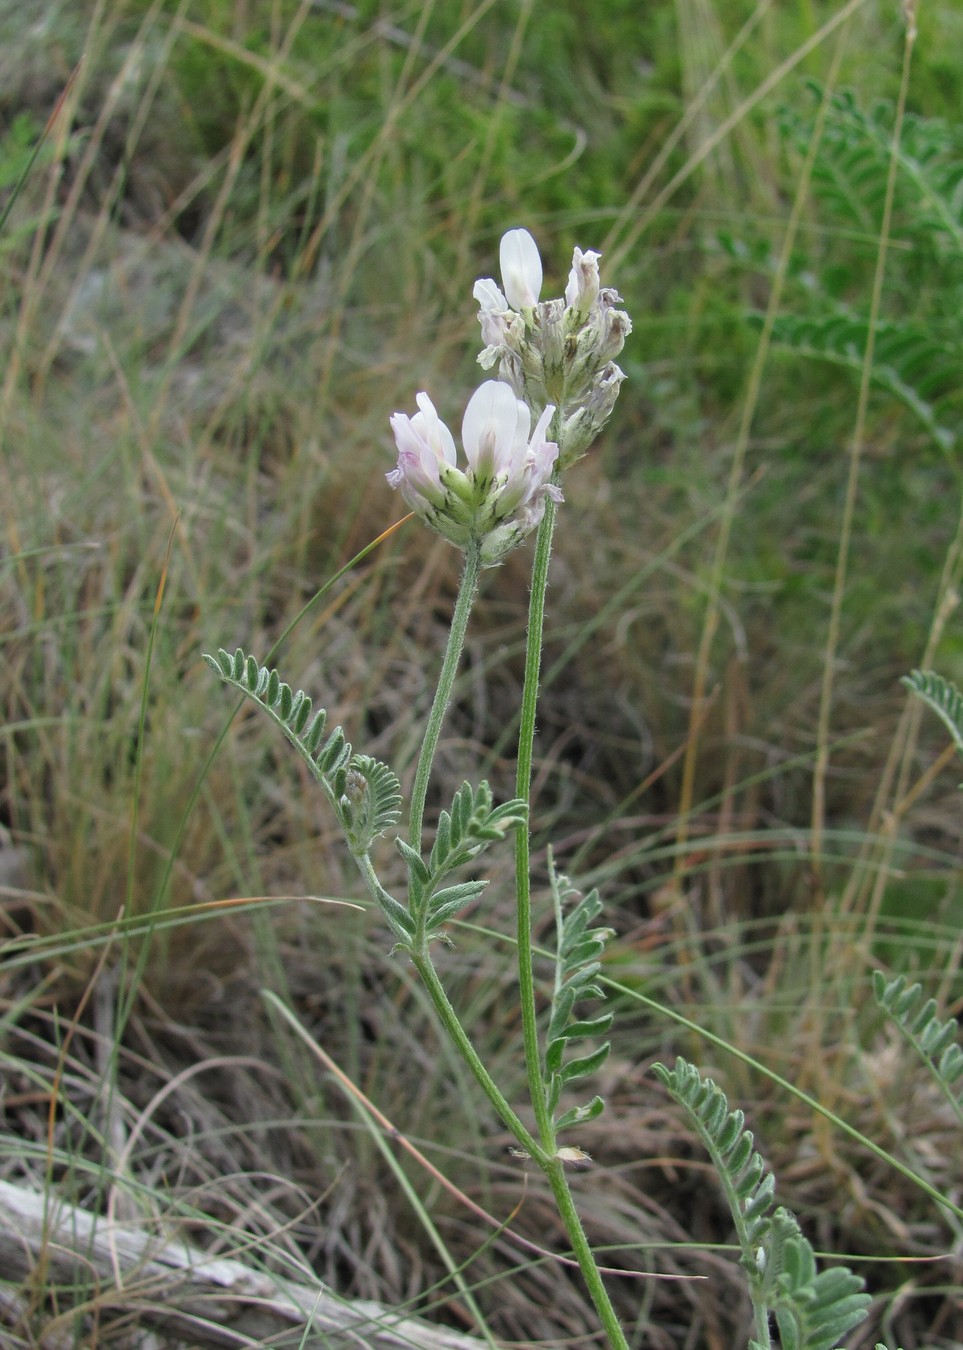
[489, 297]
[435, 435]
[490, 427]
[542, 453]
[521, 269]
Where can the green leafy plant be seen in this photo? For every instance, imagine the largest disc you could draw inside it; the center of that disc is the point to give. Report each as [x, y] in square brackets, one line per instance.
[910, 363]
[855, 152]
[323, 184]
[510, 488]
[463, 833]
[812, 1309]
[935, 1041]
[918, 345]
[579, 948]
[364, 793]
[554, 362]
[943, 697]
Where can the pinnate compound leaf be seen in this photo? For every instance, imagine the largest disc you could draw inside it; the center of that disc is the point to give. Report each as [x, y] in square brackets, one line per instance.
[290, 712]
[935, 1041]
[472, 823]
[916, 357]
[907, 364]
[943, 697]
[364, 793]
[813, 1310]
[370, 802]
[577, 963]
[463, 832]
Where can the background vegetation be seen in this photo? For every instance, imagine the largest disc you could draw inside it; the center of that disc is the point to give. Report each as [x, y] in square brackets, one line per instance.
[251, 234]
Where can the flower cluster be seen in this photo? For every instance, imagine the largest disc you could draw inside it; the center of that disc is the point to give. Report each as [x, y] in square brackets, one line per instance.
[554, 364]
[501, 496]
[554, 351]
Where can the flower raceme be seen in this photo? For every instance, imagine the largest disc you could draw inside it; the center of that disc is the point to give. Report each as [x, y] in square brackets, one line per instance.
[554, 361]
[554, 351]
[500, 497]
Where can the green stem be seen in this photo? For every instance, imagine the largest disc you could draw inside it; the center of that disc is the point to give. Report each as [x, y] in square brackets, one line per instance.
[436, 990]
[584, 1255]
[467, 591]
[523, 789]
[553, 1168]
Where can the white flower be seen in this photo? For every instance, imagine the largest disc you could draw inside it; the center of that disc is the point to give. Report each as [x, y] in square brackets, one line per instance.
[425, 447]
[558, 351]
[500, 496]
[521, 269]
[494, 314]
[494, 432]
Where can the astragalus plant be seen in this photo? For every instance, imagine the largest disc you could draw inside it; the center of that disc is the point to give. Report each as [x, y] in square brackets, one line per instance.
[554, 383]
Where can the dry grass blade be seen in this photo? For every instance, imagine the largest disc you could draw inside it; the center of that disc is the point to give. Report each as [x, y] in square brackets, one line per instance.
[182, 1291]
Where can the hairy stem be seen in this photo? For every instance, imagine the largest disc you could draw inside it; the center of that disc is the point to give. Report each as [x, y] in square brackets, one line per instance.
[584, 1255]
[523, 789]
[553, 1168]
[460, 1038]
[467, 591]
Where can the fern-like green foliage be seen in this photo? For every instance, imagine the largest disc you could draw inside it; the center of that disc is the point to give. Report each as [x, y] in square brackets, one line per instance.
[943, 697]
[918, 349]
[370, 802]
[920, 370]
[812, 1309]
[364, 793]
[936, 1041]
[463, 833]
[853, 164]
[578, 953]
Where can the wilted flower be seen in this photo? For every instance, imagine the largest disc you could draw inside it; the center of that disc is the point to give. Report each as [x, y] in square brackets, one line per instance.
[583, 281]
[493, 313]
[500, 497]
[554, 351]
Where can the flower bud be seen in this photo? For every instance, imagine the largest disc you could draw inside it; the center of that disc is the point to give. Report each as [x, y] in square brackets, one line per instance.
[583, 423]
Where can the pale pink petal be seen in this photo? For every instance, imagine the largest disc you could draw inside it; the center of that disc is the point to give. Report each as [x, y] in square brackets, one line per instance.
[432, 428]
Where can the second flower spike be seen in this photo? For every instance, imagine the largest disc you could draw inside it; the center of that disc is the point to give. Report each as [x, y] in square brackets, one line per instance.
[499, 498]
[558, 351]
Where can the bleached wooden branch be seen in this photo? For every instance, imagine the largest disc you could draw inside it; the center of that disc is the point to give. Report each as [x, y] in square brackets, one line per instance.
[177, 1288]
